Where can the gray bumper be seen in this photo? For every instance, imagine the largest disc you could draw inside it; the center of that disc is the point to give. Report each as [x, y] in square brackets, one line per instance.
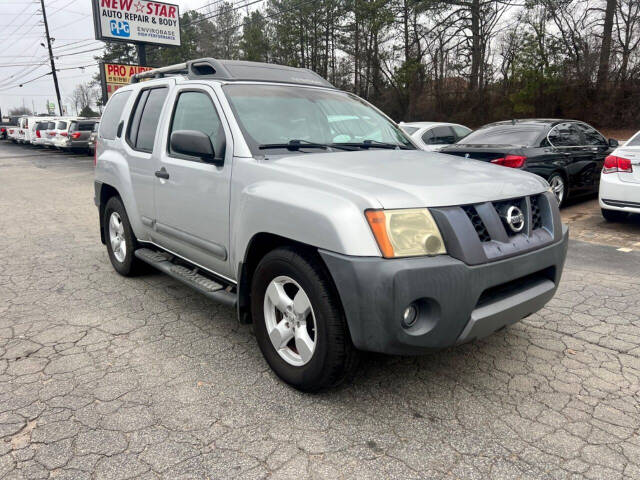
[457, 303]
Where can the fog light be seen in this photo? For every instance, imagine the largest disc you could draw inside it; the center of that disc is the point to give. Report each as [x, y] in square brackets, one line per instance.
[409, 316]
[432, 244]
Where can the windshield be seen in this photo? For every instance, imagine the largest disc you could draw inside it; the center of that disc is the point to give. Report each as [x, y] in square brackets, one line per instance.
[633, 141]
[409, 130]
[275, 114]
[504, 135]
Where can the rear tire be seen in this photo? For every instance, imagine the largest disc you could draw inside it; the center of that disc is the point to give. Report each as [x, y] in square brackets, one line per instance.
[614, 215]
[121, 243]
[294, 305]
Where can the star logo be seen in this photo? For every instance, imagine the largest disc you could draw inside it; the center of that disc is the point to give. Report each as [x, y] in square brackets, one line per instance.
[139, 6]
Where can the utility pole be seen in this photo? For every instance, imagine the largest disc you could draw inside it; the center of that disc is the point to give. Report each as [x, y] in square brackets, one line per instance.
[142, 54]
[53, 65]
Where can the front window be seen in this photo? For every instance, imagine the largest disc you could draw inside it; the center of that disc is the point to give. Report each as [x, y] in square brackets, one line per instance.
[510, 134]
[273, 116]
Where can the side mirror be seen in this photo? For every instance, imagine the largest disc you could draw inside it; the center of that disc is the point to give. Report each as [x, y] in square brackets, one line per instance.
[195, 144]
[613, 142]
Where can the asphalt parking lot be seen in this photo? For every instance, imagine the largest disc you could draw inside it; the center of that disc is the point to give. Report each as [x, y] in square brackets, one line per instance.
[107, 377]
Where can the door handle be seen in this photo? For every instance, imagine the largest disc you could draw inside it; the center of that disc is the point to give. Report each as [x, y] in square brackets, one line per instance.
[162, 173]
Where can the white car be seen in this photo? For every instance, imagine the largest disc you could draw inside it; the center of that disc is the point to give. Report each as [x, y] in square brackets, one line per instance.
[620, 181]
[39, 133]
[433, 136]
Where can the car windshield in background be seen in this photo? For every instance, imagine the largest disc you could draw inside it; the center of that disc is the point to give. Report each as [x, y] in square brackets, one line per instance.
[272, 117]
[634, 141]
[504, 135]
[410, 130]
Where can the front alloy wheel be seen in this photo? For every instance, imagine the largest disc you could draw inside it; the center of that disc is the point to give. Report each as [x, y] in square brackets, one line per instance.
[290, 321]
[557, 187]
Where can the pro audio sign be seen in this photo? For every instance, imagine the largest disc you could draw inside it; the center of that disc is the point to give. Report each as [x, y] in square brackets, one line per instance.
[137, 21]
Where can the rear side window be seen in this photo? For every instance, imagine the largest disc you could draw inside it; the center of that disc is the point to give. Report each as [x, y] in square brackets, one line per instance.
[565, 135]
[195, 111]
[73, 127]
[141, 133]
[61, 125]
[112, 114]
[591, 135]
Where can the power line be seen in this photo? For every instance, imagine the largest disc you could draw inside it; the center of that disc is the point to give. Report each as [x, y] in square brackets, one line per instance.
[219, 13]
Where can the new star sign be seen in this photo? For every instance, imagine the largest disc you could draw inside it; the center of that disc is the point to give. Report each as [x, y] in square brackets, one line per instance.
[137, 21]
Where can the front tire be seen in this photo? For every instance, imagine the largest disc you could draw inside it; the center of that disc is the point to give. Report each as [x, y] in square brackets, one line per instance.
[614, 215]
[298, 321]
[120, 240]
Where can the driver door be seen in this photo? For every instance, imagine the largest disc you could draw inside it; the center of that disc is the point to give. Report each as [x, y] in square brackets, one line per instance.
[191, 195]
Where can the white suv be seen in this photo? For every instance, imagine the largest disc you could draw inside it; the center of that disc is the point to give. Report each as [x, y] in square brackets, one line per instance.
[620, 181]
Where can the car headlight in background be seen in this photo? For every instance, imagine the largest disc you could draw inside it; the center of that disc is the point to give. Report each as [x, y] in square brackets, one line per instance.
[405, 232]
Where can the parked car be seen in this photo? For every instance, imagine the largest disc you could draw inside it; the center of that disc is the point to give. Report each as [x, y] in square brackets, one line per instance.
[9, 124]
[569, 154]
[92, 139]
[21, 132]
[620, 181]
[77, 137]
[434, 136]
[234, 180]
[50, 133]
[40, 133]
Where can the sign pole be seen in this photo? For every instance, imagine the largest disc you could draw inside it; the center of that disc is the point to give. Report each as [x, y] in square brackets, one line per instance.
[142, 54]
[53, 65]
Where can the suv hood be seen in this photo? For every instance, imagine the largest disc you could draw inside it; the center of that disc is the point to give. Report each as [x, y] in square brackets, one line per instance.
[411, 178]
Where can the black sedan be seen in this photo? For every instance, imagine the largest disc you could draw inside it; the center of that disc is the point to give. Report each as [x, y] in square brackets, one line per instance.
[569, 154]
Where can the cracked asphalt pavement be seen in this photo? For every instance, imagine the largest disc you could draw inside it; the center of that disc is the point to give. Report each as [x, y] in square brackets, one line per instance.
[106, 377]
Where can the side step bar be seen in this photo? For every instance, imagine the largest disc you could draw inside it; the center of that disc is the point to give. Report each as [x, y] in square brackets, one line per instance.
[190, 277]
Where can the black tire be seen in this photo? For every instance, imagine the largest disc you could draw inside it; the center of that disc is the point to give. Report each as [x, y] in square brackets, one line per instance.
[334, 357]
[614, 215]
[130, 265]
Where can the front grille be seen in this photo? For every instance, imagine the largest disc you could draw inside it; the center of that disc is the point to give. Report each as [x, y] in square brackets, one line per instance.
[536, 216]
[478, 224]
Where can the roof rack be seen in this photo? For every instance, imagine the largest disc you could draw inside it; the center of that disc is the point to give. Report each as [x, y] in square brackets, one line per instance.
[236, 70]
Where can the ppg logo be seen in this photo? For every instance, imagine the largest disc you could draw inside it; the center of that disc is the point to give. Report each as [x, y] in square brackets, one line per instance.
[119, 29]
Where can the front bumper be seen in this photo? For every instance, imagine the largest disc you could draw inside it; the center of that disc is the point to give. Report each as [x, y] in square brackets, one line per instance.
[457, 303]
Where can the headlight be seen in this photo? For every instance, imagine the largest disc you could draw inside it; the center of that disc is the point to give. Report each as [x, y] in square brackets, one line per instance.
[405, 233]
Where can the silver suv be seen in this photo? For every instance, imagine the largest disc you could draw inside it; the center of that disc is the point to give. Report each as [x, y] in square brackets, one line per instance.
[314, 216]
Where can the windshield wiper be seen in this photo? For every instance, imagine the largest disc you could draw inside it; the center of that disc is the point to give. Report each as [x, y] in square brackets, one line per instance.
[375, 144]
[293, 145]
[298, 144]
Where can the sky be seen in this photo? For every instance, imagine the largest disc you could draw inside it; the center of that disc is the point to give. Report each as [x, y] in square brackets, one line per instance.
[22, 31]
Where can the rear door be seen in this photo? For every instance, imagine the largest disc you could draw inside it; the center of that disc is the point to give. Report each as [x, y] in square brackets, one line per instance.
[567, 141]
[192, 200]
[597, 147]
[140, 138]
